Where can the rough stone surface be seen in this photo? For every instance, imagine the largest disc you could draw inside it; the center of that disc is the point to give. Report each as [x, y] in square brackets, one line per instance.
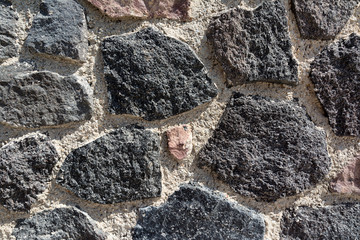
[340, 222]
[254, 46]
[44, 99]
[58, 224]
[59, 30]
[120, 166]
[195, 212]
[336, 75]
[348, 181]
[8, 35]
[322, 20]
[266, 148]
[153, 76]
[173, 9]
[179, 141]
[25, 170]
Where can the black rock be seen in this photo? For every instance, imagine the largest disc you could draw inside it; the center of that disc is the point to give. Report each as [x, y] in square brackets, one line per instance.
[25, 170]
[121, 166]
[153, 76]
[266, 148]
[336, 75]
[195, 212]
[59, 30]
[43, 99]
[334, 222]
[8, 35]
[254, 46]
[322, 20]
[58, 224]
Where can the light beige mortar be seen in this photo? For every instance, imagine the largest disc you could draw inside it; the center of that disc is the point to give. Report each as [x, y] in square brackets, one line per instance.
[118, 219]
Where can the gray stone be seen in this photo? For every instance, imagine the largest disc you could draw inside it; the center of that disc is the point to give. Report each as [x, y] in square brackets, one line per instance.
[25, 170]
[8, 36]
[121, 166]
[153, 76]
[58, 224]
[195, 212]
[335, 73]
[59, 30]
[322, 20]
[334, 222]
[254, 46]
[266, 148]
[43, 99]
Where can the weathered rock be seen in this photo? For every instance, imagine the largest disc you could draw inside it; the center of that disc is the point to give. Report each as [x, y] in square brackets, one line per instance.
[44, 99]
[153, 76]
[120, 166]
[195, 212]
[59, 30]
[322, 20]
[348, 181]
[336, 75]
[254, 46]
[58, 224]
[8, 25]
[172, 9]
[338, 222]
[266, 148]
[25, 170]
[179, 141]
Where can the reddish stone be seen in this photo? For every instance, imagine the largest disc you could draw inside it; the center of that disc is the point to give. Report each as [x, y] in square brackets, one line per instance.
[172, 9]
[179, 141]
[348, 181]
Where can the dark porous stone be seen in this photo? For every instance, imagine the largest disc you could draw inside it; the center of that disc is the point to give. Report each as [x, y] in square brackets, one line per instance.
[59, 30]
[195, 212]
[266, 148]
[58, 224]
[254, 46]
[43, 99]
[336, 75]
[334, 222]
[322, 20]
[25, 170]
[153, 76]
[121, 166]
[8, 25]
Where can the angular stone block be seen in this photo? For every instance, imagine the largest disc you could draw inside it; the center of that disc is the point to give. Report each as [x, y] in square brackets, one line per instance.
[8, 35]
[179, 141]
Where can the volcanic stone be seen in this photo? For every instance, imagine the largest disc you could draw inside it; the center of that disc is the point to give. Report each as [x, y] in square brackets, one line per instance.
[340, 222]
[25, 170]
[254, 46]
[44, 99]
[120, 166]
[195, 212]
[8, 25]
[59, 30]
[172, 9]
[336, 75]
[266, 148]
[322, 20]
[179, 141]
[153, 76]
[58, 224]
[348, 181]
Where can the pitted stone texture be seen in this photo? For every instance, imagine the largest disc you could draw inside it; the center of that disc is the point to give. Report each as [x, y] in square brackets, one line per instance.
[348, 181]
[340, 222]
[322, 20]
[336, 75]
[195, 212]
[43, 99]
[179, 141]
[266, 148]
[8, 35]
[120, 166]
[254, 46]
[59, 30]
[25, 170]
[153, 76]
[58, 224]
[172, 9]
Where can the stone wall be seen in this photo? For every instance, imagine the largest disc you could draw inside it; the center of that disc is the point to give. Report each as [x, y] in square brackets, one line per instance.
[179, 119]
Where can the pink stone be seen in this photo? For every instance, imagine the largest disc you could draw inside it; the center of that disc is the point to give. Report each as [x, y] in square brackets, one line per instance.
[172, 9]
[180, 141]
[348, 181]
